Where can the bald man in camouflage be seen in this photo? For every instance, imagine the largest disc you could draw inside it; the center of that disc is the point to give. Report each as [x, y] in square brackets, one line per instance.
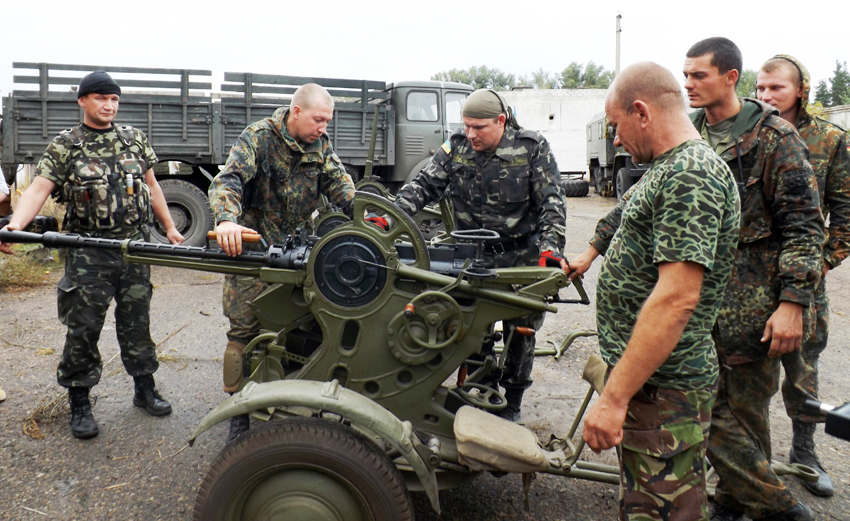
[669, 249]
[501, 178]
[270, 185]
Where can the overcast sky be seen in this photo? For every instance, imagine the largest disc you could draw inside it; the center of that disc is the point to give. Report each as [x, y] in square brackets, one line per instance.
[408, 40]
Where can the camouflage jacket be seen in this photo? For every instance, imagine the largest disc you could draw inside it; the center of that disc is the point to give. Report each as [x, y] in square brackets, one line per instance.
[780, 208]
[685, 208]
[829, 155]
[271, 183]
[515, 190]
[92, 172]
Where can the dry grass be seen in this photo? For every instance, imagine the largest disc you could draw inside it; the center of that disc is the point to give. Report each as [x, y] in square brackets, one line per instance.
[20, 271]
[48, 410]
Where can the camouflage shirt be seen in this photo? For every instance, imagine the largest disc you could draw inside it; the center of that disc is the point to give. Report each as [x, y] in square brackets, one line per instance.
[780, 208]
[829, 149]
[271, 183]
[514, 190]
[102, 162]
[685, 208]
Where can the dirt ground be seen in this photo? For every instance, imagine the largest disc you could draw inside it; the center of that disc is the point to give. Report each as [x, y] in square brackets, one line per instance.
[140, 467]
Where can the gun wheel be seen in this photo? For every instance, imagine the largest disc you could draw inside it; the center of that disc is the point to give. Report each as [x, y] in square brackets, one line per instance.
[304, 468]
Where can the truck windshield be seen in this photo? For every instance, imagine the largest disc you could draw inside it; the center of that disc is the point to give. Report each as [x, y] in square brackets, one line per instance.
[454, 107]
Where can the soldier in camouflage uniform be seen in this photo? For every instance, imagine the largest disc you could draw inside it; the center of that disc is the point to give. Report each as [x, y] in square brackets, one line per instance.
[270, 185]
[502, 178]
[766, 312]
[784, 83]
[104, 174]
[669, 249]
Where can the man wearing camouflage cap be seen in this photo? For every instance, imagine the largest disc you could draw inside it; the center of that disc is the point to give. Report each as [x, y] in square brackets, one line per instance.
[784, 83]
[104, 173]
[500, 177]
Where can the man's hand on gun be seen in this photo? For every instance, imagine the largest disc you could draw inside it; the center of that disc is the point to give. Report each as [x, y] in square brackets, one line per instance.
[228, 235]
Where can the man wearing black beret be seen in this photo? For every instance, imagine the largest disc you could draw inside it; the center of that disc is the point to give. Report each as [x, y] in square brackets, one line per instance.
[104, 174]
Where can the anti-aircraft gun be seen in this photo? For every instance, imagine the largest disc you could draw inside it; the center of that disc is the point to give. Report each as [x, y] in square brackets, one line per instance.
[365, 370]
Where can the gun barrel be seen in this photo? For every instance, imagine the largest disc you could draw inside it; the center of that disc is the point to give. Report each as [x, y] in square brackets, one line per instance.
[277, 256]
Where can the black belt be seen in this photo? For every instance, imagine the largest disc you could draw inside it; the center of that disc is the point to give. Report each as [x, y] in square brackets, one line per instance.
[505, 245]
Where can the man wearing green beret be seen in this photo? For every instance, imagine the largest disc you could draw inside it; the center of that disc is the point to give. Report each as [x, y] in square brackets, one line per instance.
[500, 177]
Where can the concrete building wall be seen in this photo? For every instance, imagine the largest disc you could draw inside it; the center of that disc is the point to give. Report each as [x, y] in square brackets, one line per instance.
[561, 115]
[839, 115]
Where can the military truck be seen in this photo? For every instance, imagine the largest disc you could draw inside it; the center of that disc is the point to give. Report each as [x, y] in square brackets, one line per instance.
[612, 171]
[192, 129]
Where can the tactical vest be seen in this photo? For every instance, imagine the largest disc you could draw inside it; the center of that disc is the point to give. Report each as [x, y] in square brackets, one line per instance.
[105, 193]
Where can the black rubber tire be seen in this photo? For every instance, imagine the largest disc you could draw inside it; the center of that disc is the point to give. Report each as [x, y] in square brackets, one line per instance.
[598, 180]
[623, 182]
[303, 468]
[190, 210]
[575, 187]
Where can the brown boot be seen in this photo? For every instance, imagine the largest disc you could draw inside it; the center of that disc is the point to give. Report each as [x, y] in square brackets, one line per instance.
[232, 366]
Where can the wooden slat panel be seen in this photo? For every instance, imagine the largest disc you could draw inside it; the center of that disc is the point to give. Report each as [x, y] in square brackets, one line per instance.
[108, 68]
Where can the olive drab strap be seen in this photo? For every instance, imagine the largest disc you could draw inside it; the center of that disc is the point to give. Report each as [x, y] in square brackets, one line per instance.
[126, 134]
[74, 136]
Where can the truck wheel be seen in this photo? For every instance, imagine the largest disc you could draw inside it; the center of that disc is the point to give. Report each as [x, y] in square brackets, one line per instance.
[624, 182]
[598, 179]
[190, 210]
[575, 187]
[304, 468]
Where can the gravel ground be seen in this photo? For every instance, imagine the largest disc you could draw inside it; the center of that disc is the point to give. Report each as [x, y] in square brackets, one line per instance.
[140, 467]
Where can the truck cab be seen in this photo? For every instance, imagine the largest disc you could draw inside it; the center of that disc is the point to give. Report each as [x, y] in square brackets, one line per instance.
[611, 169]
[426, 114]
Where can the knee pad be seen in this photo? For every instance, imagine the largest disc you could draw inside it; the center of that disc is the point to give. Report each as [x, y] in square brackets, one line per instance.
[232, 366]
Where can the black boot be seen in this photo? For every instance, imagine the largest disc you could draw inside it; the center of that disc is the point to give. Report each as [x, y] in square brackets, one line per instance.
[238, 426]
[83, 425]
[147, 396]
[512, 411]
[798, 512]
[721, 513]
[803, 451]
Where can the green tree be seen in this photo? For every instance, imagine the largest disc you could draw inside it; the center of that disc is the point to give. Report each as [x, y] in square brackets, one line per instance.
[822, 94]
[541, 79]
[571, 76]
[596, 77]
[840, 82]
[590, 76]
[479, 77]
[747, 84]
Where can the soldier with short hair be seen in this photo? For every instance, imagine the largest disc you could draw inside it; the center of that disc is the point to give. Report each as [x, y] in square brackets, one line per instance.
[669, 249]
[784, 82]
[104, 174]
[503, 178]
[766, 312]
[270, 185]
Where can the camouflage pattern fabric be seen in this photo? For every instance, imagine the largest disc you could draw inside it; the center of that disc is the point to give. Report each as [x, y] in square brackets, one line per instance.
[271, 183]
[662, 469]
[779, 258]
[93, 277]
[739, 445]
[829, 156]
[237, 295]
[514, 190]
[684, 209]
[92, 180]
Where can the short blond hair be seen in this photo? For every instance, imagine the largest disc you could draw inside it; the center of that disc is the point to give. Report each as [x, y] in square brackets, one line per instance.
[311, 94]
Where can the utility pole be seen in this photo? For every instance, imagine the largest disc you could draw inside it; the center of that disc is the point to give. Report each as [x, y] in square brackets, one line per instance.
[619, 30]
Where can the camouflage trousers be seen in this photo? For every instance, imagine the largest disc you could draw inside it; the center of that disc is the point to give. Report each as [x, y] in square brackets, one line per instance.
[237, 295]
[739, 444]
[662, 456]
[93, 278]
[801, 367]
[519, 358]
